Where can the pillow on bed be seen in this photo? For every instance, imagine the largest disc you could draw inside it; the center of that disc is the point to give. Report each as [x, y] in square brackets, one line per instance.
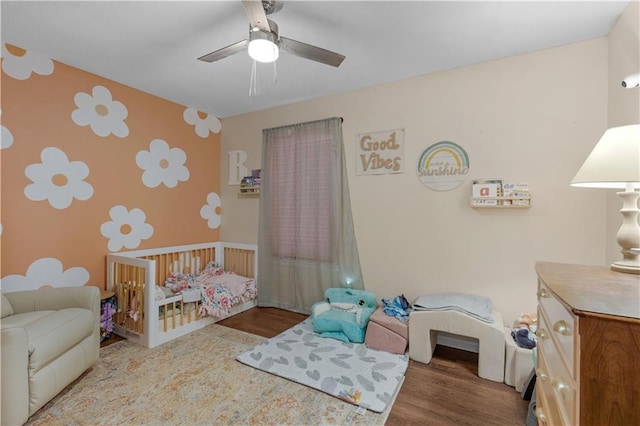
[237, 284]
[178, 281]
[212, 269]
[159, 294]
[167, 291]
[163, 293]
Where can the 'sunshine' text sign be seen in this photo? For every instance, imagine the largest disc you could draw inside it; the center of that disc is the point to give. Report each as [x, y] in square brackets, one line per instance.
[443, 166]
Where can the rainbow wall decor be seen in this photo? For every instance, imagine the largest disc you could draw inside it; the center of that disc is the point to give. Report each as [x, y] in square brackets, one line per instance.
[443, 166]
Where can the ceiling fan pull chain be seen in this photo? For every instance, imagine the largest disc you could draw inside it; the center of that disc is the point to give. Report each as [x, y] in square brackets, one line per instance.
[253, 86]
[275, 73]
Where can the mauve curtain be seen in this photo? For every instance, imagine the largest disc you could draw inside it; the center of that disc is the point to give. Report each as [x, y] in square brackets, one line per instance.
[306, 239]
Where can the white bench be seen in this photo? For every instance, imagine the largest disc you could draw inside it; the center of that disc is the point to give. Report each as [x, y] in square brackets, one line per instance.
[425, 325]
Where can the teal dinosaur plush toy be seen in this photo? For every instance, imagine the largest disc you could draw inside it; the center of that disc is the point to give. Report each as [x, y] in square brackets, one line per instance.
[344, 315]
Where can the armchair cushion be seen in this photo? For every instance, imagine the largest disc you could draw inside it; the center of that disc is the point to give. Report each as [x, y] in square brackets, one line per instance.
[7, 309]
[344, 315]
[52, 333]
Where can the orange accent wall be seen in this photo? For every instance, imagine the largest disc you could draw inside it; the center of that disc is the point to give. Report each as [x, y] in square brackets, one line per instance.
[37, 114]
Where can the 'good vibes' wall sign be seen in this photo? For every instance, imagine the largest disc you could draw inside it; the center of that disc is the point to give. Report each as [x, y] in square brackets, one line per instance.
[380, 153]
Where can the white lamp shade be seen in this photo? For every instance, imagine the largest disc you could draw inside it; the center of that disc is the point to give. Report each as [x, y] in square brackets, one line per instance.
[614, 162]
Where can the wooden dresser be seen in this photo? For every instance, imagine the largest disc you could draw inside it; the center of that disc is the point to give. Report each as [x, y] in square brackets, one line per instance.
[588, 362]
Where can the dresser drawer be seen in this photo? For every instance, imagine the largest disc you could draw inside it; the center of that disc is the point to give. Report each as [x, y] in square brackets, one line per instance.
[547, 411]
[557, 380]
[560, 324]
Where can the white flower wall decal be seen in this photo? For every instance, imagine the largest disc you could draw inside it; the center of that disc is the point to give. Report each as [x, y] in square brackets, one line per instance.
[46, 271]
[211, 210]
[19, 63]
[57, 180]
[203, 122]
[6, 138]
[162, 164]
[126, 228]
[101, 112]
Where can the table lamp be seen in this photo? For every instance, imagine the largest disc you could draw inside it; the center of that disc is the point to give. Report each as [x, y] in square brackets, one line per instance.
[615, 163]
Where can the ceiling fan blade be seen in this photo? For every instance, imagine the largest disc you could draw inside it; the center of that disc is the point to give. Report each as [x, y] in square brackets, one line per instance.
[256, 14]
[308, 51]
[224, 52]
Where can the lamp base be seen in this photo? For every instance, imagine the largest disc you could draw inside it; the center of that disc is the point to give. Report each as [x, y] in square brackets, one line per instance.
[627, 269]
[629, 233]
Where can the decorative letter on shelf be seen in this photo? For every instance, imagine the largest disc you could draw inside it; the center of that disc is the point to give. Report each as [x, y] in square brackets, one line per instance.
[237, 169]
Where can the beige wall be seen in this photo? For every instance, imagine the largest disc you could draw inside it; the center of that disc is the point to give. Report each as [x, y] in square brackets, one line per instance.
[624, 104]
[530, 118]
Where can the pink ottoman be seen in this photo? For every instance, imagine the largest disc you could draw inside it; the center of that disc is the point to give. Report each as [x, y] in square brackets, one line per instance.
[387, 333]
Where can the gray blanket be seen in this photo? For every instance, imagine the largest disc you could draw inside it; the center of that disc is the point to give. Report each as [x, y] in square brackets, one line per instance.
[478, 307]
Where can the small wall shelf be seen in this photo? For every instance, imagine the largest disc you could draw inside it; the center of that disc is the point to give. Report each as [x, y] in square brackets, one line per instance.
[249, 192]
[500, 202]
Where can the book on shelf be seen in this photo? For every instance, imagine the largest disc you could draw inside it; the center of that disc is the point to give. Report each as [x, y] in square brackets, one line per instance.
[250, 184]
[518, 192]
[486, 191]
[255, 174]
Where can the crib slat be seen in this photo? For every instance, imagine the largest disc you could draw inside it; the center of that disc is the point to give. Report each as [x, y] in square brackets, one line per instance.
[240, 261]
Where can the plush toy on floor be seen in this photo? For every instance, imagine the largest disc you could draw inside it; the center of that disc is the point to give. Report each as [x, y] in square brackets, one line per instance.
[344, 315]
[523, 330]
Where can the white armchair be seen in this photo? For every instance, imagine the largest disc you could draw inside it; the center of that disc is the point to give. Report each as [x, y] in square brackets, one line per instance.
[49, 338]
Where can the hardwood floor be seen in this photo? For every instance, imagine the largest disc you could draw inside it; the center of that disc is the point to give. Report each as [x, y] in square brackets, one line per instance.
[447, 391]
[266, 322]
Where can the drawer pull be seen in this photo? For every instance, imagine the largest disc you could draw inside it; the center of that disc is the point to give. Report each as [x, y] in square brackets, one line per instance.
[541, 334]
[541, 374]
[562, 327]
[542, 293]
[540, 415]
[560, 386]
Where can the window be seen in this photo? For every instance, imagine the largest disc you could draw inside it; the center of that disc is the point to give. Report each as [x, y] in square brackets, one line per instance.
[306, 240]
[300, 194]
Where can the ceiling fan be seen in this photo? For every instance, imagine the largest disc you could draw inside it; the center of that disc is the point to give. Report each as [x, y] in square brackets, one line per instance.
[264, 43]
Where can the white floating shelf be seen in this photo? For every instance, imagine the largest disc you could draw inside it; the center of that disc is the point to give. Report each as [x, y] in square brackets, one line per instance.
[501, 202]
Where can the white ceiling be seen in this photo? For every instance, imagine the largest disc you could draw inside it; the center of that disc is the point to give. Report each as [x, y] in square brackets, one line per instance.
[153, 46]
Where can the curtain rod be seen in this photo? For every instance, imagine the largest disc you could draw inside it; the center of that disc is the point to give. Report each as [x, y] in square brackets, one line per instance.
[305, 123]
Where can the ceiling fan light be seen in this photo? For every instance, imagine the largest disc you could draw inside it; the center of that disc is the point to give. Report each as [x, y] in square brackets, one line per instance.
[263, 47]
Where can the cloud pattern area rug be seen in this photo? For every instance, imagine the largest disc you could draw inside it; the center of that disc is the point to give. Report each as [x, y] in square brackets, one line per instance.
[362, 376]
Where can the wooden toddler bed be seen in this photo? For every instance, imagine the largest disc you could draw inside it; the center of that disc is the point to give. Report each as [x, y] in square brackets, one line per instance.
[168, 292]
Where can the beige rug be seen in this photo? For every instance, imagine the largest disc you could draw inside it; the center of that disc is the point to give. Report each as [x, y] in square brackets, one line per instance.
[193, 380]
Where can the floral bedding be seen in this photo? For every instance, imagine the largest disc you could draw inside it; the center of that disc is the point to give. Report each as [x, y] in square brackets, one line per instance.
[219, 290]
